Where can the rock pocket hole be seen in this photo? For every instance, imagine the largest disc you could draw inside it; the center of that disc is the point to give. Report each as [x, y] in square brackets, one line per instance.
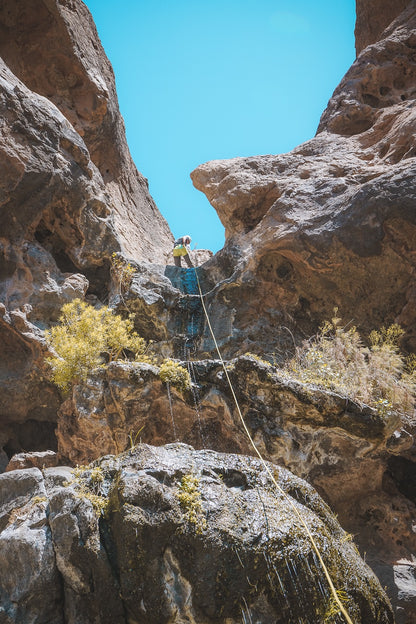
[234, 479]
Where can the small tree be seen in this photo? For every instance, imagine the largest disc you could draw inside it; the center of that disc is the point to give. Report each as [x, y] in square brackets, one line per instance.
[85, 338]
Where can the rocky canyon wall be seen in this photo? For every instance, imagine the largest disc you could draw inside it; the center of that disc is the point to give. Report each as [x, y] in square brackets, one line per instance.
[173, 534]
[70, 194]
[331, 223]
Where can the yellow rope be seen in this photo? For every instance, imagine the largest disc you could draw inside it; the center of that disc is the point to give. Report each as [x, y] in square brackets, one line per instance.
[253, 444]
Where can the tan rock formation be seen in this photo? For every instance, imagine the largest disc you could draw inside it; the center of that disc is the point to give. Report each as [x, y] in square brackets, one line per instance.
[53, 47]
[70, 194]
[332, 223]
[373, 16]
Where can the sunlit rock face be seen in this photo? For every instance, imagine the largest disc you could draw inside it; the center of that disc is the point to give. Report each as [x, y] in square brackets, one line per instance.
[187, 536]
[70, 194]
[331, 223]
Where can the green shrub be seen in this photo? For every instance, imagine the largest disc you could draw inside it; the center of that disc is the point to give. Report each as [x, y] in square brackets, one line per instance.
[85, 338]
[174, 374]
[88, 485]
[379, 375]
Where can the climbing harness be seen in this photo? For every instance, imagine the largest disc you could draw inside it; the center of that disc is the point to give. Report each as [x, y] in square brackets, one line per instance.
[334, 591]
[180, 250]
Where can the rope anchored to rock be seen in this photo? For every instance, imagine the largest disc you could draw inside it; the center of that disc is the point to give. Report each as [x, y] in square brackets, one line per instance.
[335, 593]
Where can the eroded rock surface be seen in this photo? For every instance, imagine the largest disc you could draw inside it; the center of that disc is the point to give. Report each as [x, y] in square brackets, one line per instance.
[354, 457]
[188, 535]
[70, 194]
[373, 16]
[53, 47]
[332, 223]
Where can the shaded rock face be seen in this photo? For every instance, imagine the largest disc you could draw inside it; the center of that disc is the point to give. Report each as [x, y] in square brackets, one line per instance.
[332, 223]
[373, 16]
[53, 47]
[70, 194]
[360, 462]
[188, 535]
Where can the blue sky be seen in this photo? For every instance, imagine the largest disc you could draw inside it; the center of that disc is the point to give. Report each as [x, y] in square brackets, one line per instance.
[199, 81]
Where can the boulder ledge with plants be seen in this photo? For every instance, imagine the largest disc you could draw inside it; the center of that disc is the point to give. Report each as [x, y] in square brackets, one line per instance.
[173, 534]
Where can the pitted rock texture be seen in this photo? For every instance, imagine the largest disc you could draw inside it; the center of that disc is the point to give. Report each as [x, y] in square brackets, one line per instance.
[53, 47]
[331, 223]
[70, 194]
[188, 535]
[351, 455]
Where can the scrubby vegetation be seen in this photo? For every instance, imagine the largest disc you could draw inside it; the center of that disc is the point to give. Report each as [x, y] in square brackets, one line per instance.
[377, 375]
[122, 272]
[88, 482]
[189, 498]
[176, 375]
[86, 338]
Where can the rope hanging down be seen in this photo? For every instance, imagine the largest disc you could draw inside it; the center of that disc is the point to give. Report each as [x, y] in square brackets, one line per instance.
[253, 444]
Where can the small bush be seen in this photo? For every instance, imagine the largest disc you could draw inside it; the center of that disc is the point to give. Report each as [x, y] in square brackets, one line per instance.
[122, 271]
[85, 338]
[189, 498]
[176, 375]
[378, 375]
[88, 484]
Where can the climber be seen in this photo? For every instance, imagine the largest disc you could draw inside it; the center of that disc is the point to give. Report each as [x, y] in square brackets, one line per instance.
[180, 248]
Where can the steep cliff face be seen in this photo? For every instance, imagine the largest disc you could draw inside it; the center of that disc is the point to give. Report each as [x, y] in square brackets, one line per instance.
[332, 223]
[373, 16]
[70, 194]
[54, 49]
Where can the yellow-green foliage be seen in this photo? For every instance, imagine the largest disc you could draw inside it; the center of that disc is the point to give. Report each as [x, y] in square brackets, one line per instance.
[176, 375]
[333, 610]
[190, 500]
[85, 337]
[257, 358]
[378, 375]
[88, 484]
[122, 271]
[38, 499]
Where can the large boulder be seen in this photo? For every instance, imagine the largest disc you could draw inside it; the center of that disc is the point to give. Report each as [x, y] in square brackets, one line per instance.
[175, 535]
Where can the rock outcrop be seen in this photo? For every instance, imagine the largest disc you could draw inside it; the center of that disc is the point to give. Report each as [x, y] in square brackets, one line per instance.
[332, 223]
[54, 49]
[70, 194]
[373, 16]
[358, 459]
[186, 535]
